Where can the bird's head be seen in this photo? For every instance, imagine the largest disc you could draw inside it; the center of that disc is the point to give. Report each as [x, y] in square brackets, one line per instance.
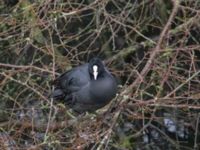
[96, 68]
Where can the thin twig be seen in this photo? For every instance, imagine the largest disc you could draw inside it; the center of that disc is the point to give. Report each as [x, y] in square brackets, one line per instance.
[154, 53]
[28, 67]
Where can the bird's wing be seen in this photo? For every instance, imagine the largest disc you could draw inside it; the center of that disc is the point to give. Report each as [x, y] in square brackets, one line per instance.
[58, 81]
[72, 80]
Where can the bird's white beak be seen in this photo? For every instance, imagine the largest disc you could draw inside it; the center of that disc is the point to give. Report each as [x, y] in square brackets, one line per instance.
[95, 71]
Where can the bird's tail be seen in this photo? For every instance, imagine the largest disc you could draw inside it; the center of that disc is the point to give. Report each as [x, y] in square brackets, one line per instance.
[57, 94]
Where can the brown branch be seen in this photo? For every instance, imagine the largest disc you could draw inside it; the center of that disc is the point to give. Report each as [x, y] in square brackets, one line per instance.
[26, 85]
[149, 63]
[27, 67]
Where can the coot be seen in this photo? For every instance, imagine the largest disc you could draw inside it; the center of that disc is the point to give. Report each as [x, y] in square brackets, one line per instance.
[87, 87]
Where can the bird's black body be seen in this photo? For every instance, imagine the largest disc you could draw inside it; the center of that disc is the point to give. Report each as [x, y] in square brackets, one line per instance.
[81, 91]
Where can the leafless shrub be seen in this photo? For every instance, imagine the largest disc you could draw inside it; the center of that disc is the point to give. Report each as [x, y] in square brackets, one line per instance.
[152, 47]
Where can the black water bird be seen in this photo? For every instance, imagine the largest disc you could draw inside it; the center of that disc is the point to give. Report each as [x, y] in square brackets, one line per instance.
[87, 87]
